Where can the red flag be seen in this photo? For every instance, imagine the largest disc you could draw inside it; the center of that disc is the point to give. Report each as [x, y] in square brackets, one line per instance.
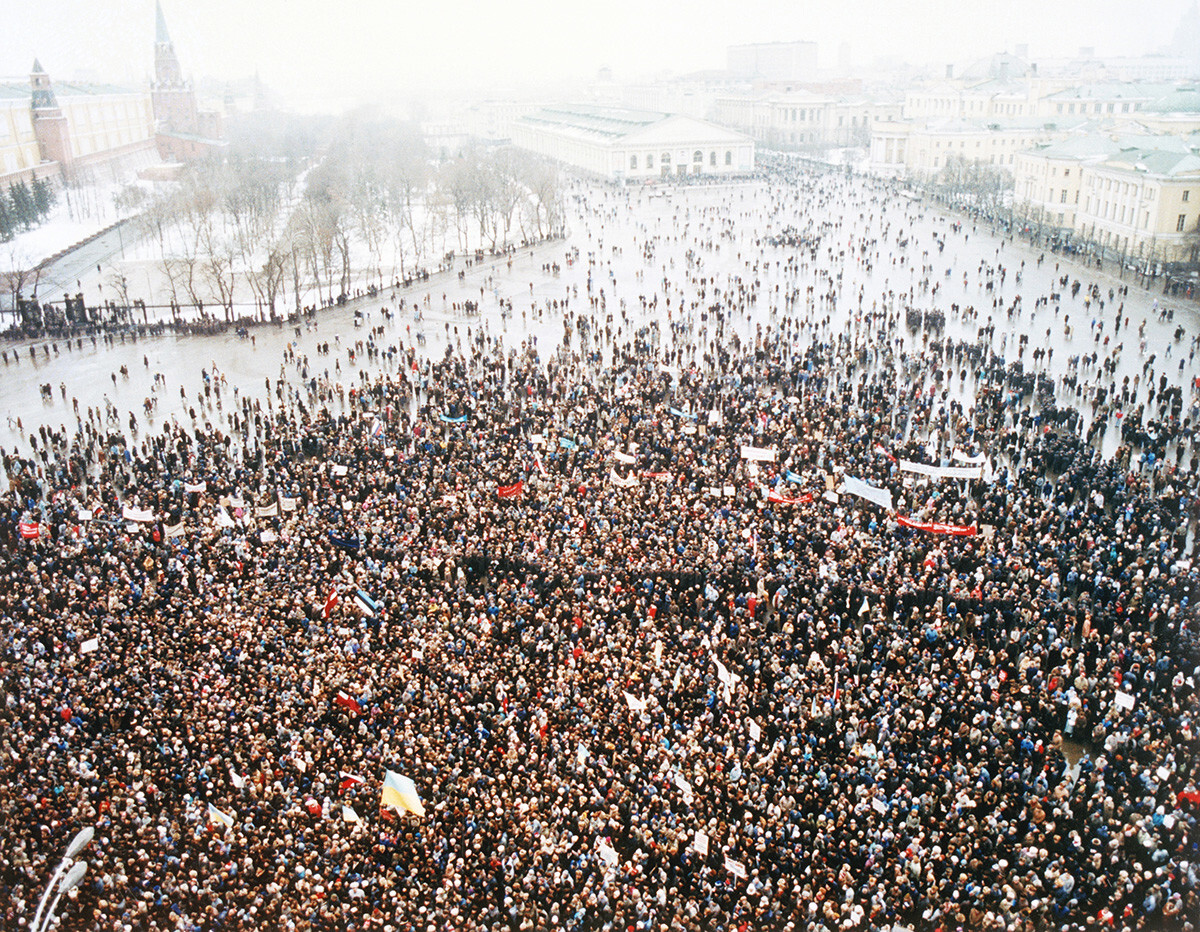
[934, 528]
[349, 780]
[331, 602]
[510, 491]
[313, 807]
[29, 529]
[346, 701]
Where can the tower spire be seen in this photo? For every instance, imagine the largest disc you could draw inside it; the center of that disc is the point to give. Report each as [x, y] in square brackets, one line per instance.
[161, 36]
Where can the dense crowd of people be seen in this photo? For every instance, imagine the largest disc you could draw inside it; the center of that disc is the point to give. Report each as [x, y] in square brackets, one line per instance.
[630, 611]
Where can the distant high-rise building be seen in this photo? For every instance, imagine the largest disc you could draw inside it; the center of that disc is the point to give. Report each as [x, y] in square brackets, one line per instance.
[773, 61]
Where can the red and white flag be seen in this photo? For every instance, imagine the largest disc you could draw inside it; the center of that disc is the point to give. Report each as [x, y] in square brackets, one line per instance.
[348, 780]
[346, 701]
[331, 602]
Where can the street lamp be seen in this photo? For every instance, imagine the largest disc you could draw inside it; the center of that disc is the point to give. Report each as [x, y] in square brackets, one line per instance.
[82, 839]
[69, 883]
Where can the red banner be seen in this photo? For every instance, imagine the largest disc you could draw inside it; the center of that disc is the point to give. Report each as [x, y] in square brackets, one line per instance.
[777, 499]
[29, 530]
[510, 491]
[957, 530]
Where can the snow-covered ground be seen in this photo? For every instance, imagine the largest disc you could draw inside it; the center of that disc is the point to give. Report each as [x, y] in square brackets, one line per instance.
[636, 244]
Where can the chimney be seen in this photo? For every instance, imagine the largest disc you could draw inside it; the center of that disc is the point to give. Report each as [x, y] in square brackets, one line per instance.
[1033, 69]
[1004, 70]
[949, 72]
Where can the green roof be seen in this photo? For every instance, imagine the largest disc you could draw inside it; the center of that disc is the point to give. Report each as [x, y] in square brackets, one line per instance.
[1180, 100]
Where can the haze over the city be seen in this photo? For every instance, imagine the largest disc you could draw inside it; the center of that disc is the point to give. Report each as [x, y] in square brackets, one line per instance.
[373, 50]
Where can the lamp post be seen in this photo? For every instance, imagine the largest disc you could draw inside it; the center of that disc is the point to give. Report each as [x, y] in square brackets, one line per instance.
[68, 883]
[82, 839]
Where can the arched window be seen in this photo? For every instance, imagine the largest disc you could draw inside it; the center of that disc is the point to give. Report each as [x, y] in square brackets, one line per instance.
[649, 161]
[633, 163]
[712, 159]
[665, 159]
[728, 158]
[698, 157]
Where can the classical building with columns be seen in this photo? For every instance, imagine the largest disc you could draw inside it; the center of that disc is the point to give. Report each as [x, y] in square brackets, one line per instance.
[633, 145]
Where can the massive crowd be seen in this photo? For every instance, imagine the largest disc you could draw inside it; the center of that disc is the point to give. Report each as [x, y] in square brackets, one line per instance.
[629, 613]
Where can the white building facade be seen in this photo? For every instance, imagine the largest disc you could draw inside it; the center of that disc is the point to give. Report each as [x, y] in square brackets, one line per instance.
[634, 145]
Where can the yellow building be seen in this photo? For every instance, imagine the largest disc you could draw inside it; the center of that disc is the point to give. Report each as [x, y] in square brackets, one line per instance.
[1047, 181]
[1142, 204]
[50, 129]
[18, 146]
[921, 150]
[1136, 198]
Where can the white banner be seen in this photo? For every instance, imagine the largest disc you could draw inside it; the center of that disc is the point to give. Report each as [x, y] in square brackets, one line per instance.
[607, 854]
[137, 514]
[624, 458]
[977, 460]
[761, 454]
[195, 487]
[942, 472]
[288, 504]
[624, 483]
[880, 497]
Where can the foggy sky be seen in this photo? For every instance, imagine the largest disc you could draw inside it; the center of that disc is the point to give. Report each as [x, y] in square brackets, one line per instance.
[364, 50]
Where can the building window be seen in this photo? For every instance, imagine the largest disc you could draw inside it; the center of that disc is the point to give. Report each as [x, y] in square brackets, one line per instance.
[1063, 199]
[698, 157]
[633, 163]
[712, 159]
[728, 158]
[1181, 223]
[649, 161]
[1185, 196]
[665, 159]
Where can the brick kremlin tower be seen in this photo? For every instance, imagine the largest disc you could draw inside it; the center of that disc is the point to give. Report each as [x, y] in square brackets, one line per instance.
[182, 130]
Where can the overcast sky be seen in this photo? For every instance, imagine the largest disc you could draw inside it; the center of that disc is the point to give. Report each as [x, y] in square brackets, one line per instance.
[373, 48]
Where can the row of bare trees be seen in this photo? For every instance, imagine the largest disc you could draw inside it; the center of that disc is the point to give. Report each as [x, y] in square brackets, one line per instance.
[249, 227]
